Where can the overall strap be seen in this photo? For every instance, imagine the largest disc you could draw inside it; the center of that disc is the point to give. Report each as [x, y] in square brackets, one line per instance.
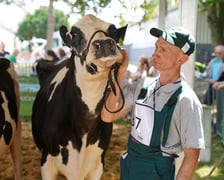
[147, 82]
[170, 105]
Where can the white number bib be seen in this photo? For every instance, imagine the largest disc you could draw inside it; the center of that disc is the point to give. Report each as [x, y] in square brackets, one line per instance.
[142, 126]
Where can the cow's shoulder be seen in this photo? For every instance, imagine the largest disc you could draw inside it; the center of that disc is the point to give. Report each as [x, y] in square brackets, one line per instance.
[46, 70]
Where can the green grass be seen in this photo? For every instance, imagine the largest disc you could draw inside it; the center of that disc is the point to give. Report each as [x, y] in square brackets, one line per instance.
[203, 170]
[27, 98]
[26, 104]
[28, 79]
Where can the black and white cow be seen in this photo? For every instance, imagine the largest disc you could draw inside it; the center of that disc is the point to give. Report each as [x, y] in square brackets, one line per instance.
[10, 125]
[66, 121]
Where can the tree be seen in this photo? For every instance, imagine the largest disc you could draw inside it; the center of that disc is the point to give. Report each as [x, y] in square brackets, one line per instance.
[36, 24]
[82, 6]
[50, 24]
[215, 15]
[145, 9]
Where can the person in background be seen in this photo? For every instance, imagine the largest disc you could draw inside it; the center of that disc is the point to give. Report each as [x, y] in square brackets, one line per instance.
[212, 72]
[61, 53]
[218, 85]
[48, 55]
[143, 68]
[38, 57]
[13, 56]
[166, 113]
[3, 52]
[51, 55]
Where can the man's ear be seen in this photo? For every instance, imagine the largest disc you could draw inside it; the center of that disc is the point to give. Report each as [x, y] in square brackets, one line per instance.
[183, 59]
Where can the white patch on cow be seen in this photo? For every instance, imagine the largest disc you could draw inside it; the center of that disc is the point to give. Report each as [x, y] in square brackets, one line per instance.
[8, 118]
[92, 86]
[80, 164]
[57, 80]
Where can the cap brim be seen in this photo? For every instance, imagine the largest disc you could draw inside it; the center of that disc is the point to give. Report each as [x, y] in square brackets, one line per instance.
[156, 32]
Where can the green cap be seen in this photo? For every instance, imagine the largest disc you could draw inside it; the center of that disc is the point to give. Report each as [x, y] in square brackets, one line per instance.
[177, 36]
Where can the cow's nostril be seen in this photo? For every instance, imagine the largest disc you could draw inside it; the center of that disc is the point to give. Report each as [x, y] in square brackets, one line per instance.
[96, 45]
[112, 44]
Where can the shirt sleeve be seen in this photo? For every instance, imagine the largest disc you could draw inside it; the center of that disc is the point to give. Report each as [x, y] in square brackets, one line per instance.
[190, 117]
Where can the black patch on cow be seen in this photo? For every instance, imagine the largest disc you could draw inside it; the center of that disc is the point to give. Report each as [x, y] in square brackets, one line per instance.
[48, 69]
[91, 68]
[7, 132]
[2, 119]
[43, 157]
[7, 87]
[56, 122]
[117, 34]
[105, 48]
[75, 39]
[64, 154]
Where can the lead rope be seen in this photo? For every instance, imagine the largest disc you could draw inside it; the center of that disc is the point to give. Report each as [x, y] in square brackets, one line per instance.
[111, 87]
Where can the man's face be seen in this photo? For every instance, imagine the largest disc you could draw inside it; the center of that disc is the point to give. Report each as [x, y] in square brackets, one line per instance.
[218, 52]
[166, 56]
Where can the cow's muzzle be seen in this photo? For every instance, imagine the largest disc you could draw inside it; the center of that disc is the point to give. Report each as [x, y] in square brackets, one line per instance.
[104, 48]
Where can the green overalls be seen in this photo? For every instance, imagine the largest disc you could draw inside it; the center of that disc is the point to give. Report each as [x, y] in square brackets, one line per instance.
[142, 162]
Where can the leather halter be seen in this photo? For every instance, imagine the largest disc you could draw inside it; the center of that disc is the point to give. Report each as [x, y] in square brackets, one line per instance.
[112, 75]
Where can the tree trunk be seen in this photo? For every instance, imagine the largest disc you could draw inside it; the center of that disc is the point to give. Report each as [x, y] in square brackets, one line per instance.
[50, 25]
[215, 21]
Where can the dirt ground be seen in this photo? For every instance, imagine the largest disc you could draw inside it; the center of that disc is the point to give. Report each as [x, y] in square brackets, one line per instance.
[31, 156]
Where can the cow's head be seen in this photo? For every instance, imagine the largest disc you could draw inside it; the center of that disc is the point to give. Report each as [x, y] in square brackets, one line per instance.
[94, 42]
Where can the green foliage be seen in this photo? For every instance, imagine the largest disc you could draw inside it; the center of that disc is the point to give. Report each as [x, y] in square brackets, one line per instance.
[36, 24]
[140, 12]
[209, 2]
[19, 3]
[82, 6]
[150, 9]
[213, 9]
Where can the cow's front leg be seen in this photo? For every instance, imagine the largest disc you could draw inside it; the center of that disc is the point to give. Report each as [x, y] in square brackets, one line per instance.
[96, 173]
[48, 169]
[15, 150]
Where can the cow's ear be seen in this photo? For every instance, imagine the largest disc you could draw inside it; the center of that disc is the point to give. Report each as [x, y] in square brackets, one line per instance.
[121, 34]
[65, 35]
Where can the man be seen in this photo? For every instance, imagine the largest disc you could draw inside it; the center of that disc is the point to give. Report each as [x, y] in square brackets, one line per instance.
[166, 114]
[3, 53]
[212, 73]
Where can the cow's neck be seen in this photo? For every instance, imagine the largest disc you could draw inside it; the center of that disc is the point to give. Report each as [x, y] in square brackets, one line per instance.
[92, 88]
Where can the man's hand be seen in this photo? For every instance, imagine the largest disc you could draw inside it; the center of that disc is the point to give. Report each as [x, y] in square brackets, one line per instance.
[124, 62]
